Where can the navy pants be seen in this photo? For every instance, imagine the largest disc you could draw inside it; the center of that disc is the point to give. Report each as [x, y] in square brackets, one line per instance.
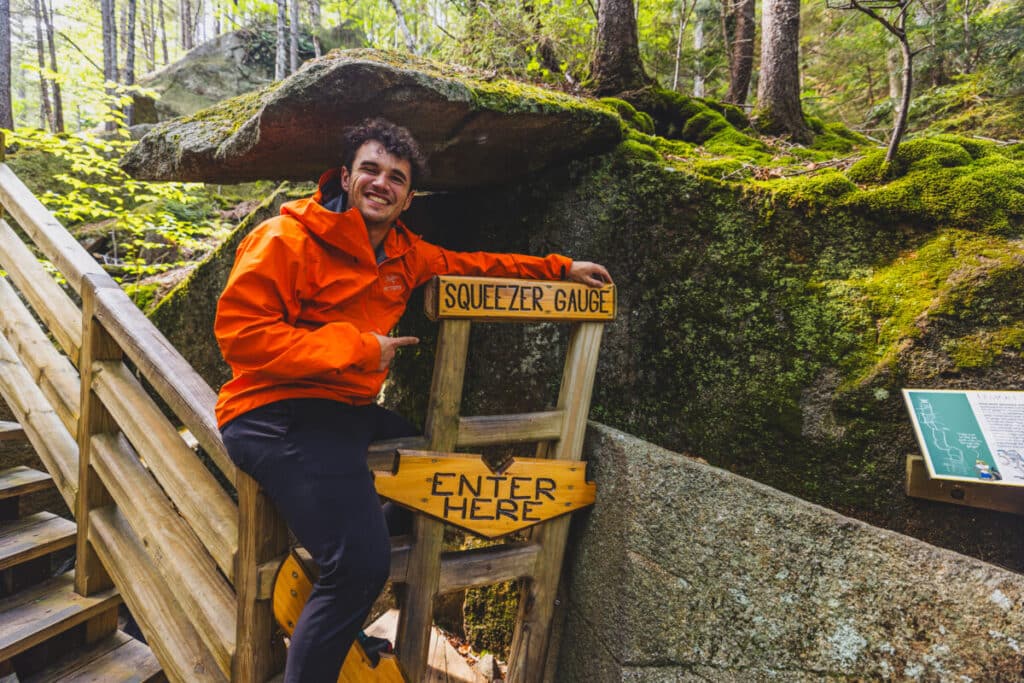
[309, 455]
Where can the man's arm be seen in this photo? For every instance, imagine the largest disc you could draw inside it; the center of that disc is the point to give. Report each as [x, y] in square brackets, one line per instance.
[551, 267]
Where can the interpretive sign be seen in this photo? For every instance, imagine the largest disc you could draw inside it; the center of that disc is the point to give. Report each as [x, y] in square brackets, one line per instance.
[522, 300]
[464, 491]
[975, 436]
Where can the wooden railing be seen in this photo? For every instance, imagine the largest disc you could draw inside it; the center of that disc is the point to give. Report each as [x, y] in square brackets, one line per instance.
[190, 563]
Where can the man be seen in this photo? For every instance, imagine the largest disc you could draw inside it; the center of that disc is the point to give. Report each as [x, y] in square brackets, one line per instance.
[304, 324]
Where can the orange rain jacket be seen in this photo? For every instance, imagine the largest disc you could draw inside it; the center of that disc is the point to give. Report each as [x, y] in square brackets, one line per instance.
[306, 292]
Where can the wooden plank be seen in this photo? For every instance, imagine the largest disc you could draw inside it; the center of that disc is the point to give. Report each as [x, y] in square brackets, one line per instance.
[262, 536]
[11, 431]
[97, 346]
[490, 430]
[118, 658]
[975, 495]
[21, 481]
[381, 454]
[173, 548]
[462, 490]
[529, 653]
[490, 299]
[47, 298]
[49, 235]
[51, 371]
[199, 497]
[166, 625]
[187, 394]
[478, 567]
[49, 437]
[34, 536]
[36, 615]
[424, 565]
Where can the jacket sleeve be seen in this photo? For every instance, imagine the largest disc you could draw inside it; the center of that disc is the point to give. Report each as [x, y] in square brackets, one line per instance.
[255, 324]
[445, 262]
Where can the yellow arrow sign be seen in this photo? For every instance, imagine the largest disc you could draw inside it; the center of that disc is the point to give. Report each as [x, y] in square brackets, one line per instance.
[464, 491]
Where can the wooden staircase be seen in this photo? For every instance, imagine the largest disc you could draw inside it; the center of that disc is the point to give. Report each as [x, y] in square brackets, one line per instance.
[48, 632]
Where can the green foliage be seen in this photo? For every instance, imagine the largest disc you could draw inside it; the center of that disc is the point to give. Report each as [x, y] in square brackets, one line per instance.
[151, 227]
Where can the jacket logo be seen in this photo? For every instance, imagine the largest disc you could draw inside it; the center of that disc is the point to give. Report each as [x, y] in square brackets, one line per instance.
[393, 283]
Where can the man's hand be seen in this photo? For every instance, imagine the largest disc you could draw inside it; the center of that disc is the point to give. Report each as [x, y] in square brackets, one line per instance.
[388, 346]
[593, 274]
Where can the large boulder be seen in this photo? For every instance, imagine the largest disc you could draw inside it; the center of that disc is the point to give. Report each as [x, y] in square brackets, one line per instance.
[475, 131]
[227, 66]
[685, 572]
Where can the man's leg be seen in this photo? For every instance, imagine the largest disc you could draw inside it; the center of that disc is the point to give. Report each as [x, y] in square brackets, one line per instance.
[310, 457]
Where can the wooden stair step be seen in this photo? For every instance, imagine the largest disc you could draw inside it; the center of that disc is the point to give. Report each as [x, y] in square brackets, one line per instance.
[41, 612]
[21, 480]
[34, 536]
[11, 431]
[118, 658]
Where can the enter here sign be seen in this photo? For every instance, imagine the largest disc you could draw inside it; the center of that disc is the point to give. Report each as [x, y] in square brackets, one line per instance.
[462, 490]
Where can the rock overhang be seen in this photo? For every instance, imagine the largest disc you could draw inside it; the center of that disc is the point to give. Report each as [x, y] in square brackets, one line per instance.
[474, 130]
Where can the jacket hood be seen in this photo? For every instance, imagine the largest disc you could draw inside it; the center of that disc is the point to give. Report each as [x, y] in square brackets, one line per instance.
[344, 228]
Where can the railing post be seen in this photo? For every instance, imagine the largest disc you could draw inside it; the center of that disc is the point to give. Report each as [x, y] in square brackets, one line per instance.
[528, 657]
[97, 345]
[442, 428]
[262, 537]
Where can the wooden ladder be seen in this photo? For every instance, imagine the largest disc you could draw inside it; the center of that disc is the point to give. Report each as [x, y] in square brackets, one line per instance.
[560, 433]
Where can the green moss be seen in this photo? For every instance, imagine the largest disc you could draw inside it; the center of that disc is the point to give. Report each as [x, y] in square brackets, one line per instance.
[812, 189]
[935, 279]
[703, 126]
[639, 120]
[948, 181]
[638, 150]
[981, 349]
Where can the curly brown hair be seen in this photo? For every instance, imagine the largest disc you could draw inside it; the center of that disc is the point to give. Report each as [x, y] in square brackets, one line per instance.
[396, 140]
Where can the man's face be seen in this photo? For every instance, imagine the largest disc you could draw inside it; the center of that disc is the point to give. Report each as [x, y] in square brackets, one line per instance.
[379, 185]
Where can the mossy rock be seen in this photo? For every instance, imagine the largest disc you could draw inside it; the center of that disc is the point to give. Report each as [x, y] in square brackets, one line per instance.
[474, 130]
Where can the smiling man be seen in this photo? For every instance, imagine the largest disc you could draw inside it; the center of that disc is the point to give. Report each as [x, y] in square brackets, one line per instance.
[304, 323]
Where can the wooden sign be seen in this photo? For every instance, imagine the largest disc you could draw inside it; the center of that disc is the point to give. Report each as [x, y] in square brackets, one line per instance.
[497, 299]
[464, 491]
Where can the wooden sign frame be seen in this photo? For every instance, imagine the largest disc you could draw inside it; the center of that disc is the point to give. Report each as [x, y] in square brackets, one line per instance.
[451, 297]
[538, 561]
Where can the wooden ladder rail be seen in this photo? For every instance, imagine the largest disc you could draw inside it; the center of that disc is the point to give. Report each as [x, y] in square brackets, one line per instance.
[540, 561]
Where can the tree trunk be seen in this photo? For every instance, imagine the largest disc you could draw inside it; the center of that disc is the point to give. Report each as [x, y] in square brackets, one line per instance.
[107, 12]
[616, 66]
[293, 38]
[410, 42]
[45, 110]
[185, 22]
[163, 32]
[778, 89]
[58, 103]
[906, 83]
[280, 57]
[741, 53]
[698, 48]
[6, 108]
[129, 58]
[684, 15]
[314, 25]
